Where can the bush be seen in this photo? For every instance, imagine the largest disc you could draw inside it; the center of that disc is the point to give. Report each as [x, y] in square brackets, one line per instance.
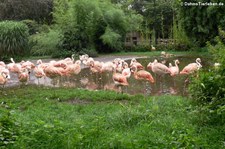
[14, 39]
[32, 25]
[209, 88]
[140, 48]
[45, 43]
[8, 129]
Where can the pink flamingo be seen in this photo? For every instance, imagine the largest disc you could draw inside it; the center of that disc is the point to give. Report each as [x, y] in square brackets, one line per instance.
[23, 76]
[126, 71]
[39, 73]
[134, 62]
[174, 69]
[52, 72]
[3, 78]
[28, 65]
[73, 69]
[192, 67]
[119, 79]
[159, 69]
[142, 75]
[13, 67]
[107, 67]
[2, 64]
[41, 64]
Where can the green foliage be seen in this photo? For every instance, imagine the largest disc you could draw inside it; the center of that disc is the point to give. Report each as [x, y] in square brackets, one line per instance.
[32, 25]
[111, 38]
[45, 43]
[209, 89]
[182, 42]
[194, 20]
[103, 28]
[140, 48]
[9, 128]
[14, 39]
[76, 118]
[39, 11]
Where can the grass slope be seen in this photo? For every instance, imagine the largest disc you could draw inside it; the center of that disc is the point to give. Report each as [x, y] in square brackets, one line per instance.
[74, 118]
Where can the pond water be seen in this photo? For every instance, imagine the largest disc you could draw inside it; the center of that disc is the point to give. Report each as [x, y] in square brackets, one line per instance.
[163, 85]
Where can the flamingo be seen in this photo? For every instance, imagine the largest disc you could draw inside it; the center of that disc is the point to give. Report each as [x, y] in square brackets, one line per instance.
[119, 79]
[134, 62]
[2, 64]
[5, 71]
[95, 66]
[159, 69]
[142, 75]
[107, 67]
[166, 55]
[73, 69]
[192, 67]
[153, 48]
[41, 64]
[3, 78]
[126, 71]
[23, 76]
[28, 65]
[174, 69]
[39, 73]
[86, 59]
[13, 67]
[52, 72]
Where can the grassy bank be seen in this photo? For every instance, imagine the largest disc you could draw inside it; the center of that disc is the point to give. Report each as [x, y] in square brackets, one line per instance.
[44, 117]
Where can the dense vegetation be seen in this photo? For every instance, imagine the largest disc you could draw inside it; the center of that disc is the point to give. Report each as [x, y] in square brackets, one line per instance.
[94, 26]
[41, 117]
[209, 88]
[72, 118]
[14, 39]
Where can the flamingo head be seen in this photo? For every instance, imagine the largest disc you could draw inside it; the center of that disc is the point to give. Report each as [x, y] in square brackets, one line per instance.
[149, 66]
[198, 60]
[177, 62]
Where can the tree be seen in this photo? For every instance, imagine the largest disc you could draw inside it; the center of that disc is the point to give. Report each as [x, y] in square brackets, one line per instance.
[26, 9]
[93, 24]
[201, 22]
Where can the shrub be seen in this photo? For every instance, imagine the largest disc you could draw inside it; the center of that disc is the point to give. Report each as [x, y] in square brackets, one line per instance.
[32, 25]
[8, 129]
[14, 39]
[45, 43]
[141, 48]
[209, 88]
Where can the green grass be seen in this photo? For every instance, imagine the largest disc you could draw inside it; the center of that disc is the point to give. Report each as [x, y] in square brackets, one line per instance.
[76, 118]
[158, 53]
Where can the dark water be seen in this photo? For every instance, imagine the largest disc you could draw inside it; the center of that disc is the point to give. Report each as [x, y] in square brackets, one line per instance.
[163, 85]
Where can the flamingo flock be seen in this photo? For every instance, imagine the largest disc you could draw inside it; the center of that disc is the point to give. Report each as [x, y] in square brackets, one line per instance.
[119, 69]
